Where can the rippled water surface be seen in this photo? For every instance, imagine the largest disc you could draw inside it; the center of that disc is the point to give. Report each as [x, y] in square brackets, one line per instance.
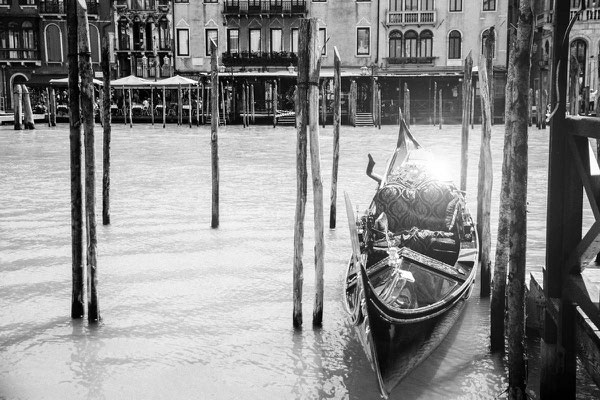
[191, 312]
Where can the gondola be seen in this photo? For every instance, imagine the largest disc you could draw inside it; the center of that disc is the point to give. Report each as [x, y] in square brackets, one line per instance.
[413, 264]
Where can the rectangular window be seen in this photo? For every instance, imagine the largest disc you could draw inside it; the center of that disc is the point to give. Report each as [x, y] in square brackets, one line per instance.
[233, 41]
[489, 5]
[182, 1]
[255, 41]
[323, 41]
[363, 41]
[411, 5]
[183, 42]
[210, 1]
[319, 1]
[455, 5]
[427, 5]
[276, 43]
[210, 34]
[294, 41]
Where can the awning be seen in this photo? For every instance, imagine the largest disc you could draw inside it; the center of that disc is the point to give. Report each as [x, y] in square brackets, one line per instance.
[38, 81]
[130, 82]
[65, 82]
[175, 81]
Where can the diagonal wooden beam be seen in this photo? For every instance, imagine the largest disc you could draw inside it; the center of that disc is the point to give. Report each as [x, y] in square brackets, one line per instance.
[577, 146]
[576, 291]
[585, 250]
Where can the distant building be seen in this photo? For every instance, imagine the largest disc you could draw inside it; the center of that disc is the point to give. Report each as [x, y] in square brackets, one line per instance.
[388, 43]
[584, 44]
[143, 38]
[33, 41]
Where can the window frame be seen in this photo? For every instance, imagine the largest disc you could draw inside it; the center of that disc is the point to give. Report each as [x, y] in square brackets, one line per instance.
[455, 6]
[323, 41]
[271, 30]
[178, 32]
[250, 50]
[453, 49]
[207, 32]
[489, 5]
[368, 31]
[237, 39]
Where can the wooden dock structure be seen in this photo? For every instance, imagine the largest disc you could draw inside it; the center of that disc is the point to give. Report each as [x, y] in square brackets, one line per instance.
[570, 279]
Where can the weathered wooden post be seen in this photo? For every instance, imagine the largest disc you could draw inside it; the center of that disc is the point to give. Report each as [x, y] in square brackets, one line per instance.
[466, 97]
[485, 180]
[441, 110]
[87, 108]
[106, 127]
[214, 131]
[435, 110]
[179, 106]
[352, 103]
[130, 107]
[164, 106]
[124, 105]
[337, 117]
[244, 105]
[190, 108]
[252, 104]
[517, 378]
[323, 103]
[223, 111]
[198, 104]
[18, 107]
[489, 45]
[78, 285]
[275, 102]
[538, 108]
[28, 111]
[407, 104]
[379, 105]
[52, 103]
[472, 105]
[47, 104]
[204, 106]
[574, 73]
[152, 104]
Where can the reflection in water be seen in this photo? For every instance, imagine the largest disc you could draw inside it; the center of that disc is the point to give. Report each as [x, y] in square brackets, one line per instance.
[194, 312]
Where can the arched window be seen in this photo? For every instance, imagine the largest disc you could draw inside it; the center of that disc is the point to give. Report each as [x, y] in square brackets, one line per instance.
[484, 36]
[95, 43]
[410, 44]
[426, 44]
[123, 34]
[454, 45]
[138, 34]
[14, 39]
[53, 43]
[163, 34]
[579, 51]
[395, 44]
[149, 37]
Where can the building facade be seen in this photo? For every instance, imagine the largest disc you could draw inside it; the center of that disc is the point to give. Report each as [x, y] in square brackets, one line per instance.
[395, 44]
[584, 44]
[33, 41]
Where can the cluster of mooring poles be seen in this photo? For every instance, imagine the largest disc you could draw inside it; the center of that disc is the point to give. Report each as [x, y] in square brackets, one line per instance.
[81, 111]
[307, 120]
[23, 113]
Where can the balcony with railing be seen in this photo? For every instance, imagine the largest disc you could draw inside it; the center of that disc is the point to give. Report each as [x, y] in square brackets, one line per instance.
[410, 60]
[58, 7]
[19, 54]
[259, 59]
[265, 7]
[589, 14]
[411, 18]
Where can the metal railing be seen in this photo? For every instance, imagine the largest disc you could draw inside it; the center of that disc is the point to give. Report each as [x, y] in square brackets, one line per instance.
[58, 7]
[410, 60]
[254, 59]
[19, 54]
[265, 7]
[411, 17]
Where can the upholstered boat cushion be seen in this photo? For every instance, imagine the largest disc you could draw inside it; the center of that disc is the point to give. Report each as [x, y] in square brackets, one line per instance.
[442, 246]
[412, 198]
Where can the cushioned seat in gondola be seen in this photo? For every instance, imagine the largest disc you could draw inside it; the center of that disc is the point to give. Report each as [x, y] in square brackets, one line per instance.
[422, 212]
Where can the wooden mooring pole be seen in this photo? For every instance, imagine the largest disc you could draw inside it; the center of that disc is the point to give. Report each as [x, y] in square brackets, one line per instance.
[214, 130]
[352, 101]
[308, 81]
[515, 290]
[87, 109]
[27, 110]
[107, 128]
[275, 103]
[441, 111]
[47, 104]
[78, 284]
[337, 117]
[435, 110]
[466, 98]
[18, 107]
[484, 181]
[52, 107]
[406, 104]
[164, 106]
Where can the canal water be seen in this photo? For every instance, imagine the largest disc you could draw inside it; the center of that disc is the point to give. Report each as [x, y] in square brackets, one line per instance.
[191, 312]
